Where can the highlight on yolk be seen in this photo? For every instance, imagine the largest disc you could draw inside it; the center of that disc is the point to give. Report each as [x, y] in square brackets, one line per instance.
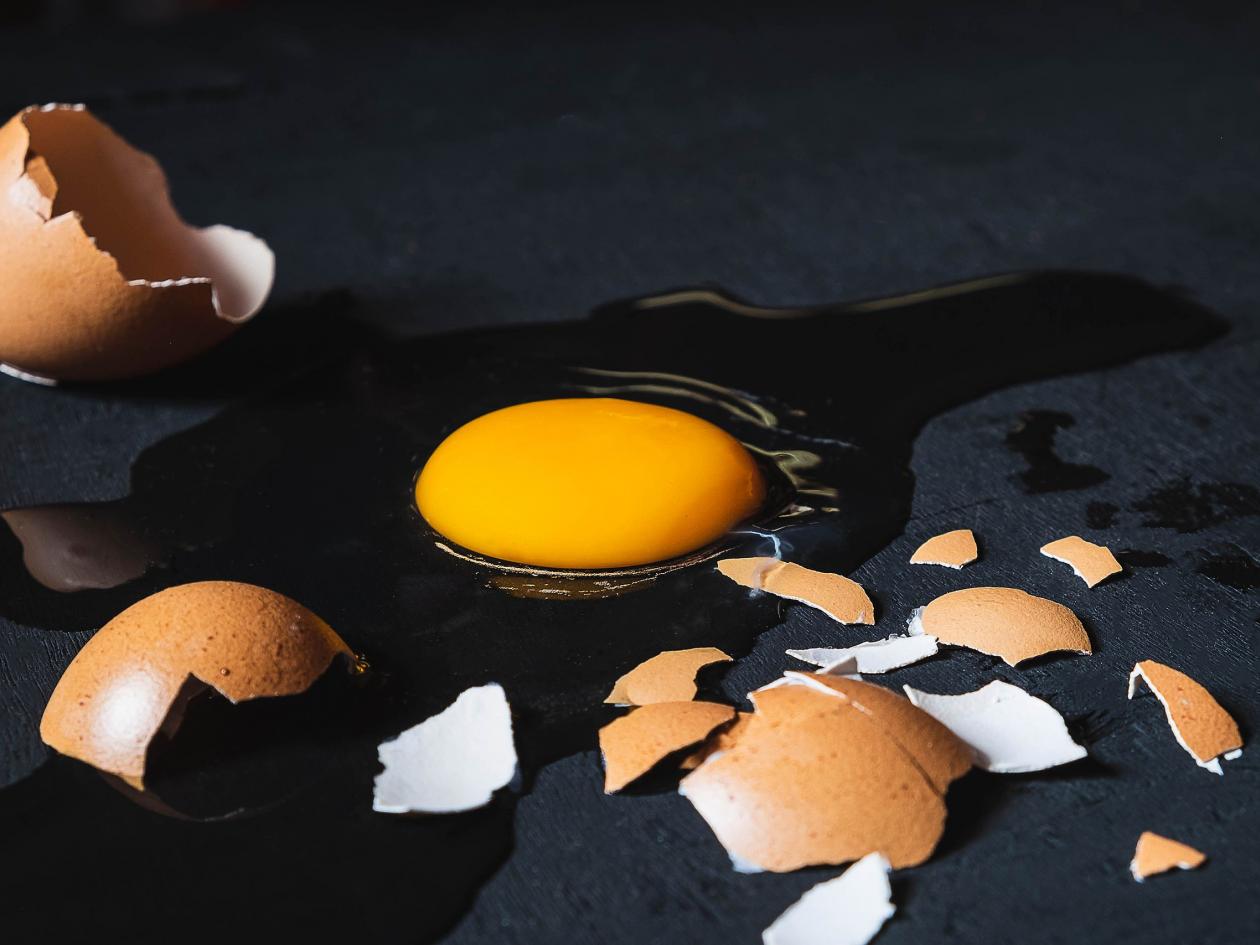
[588, 483]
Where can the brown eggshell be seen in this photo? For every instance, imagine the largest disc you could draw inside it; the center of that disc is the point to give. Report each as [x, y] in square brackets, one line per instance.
[637, 742]
[1200, 725]
[1003, 622]
[813, 780]
[1156, 854]
[666, 677]
[124, 686]
[719, 740]
[1092, 563]
[99, 277]
[839, 597]
[951, 549]
[941, 755]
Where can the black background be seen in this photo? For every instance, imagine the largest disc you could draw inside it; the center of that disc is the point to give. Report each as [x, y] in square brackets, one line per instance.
[439, 168]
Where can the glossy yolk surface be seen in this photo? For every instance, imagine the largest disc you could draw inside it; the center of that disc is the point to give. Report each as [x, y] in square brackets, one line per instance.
[588, 483]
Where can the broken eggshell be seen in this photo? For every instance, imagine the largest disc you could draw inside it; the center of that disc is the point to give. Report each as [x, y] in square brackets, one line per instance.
[847, 910]
[669, 676]
[949, 550]
[130, 680]
[875, 656]
[453, 761]
[1008, 730]
[839, 597]
[1198, 722]
[1003, 622]
[813, 778]
[1091, 563]
[635, 743]
[1156, 854]
[100, 278]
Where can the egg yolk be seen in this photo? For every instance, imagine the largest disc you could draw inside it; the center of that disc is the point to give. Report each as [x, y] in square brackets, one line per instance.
[588, 483]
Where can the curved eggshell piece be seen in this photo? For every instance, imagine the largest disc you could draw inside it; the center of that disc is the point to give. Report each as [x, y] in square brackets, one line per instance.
[1004, 622]
[244, 641]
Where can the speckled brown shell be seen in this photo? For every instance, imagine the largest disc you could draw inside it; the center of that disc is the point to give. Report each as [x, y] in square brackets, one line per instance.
[244, 641]
[1199, 722]
[1156, 854]
[99, 277]
[1092, 563]
[1004, 622]
[951, 549]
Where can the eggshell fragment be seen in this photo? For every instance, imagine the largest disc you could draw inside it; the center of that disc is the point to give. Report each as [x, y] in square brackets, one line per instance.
[245, 642]
[847, 910]
[1156, 854]
[1091, 563]
[719, 740]
[837, 596]
[453, 761]
[939, 753]
[876, 656]
[812, 780]
[666, 677]
[951, 550]
[1003, 622]
[1007, 729]
[99, 276]
[636, 743]
[1198, 722]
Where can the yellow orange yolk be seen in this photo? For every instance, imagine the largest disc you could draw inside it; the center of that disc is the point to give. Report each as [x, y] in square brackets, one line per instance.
[588, 483]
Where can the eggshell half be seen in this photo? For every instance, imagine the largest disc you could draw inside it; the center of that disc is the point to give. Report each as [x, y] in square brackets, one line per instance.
[453, 761]
[813, 780]
[669, 676]
[951, 550]
[99, 276]
[1156, 854]
[1091, 563]
[637, 742]
[245, 642]
[837, 596]
[1003, 622]
[847, 910]
[1007, 729]
[1198, 722]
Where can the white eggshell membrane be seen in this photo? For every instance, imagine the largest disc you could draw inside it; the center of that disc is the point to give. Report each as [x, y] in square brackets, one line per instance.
[875, 656]
[847, 910]
[453, 761]
[1009, 730]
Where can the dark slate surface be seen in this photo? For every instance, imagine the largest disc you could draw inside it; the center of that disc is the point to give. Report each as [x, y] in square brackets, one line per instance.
[448, 169]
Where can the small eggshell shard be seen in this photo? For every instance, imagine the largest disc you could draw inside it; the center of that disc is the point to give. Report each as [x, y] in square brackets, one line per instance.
[1091, 563]
[847, 910]
[1008, 730]
[1198, 722]
[876, 656]
[100, 278]
[1003, 622]
[812, 779]
[1156, 854]
[453, 761]
[669, 676]
[125, 685]
[950, 550]
[839, 597]
[635, 743]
